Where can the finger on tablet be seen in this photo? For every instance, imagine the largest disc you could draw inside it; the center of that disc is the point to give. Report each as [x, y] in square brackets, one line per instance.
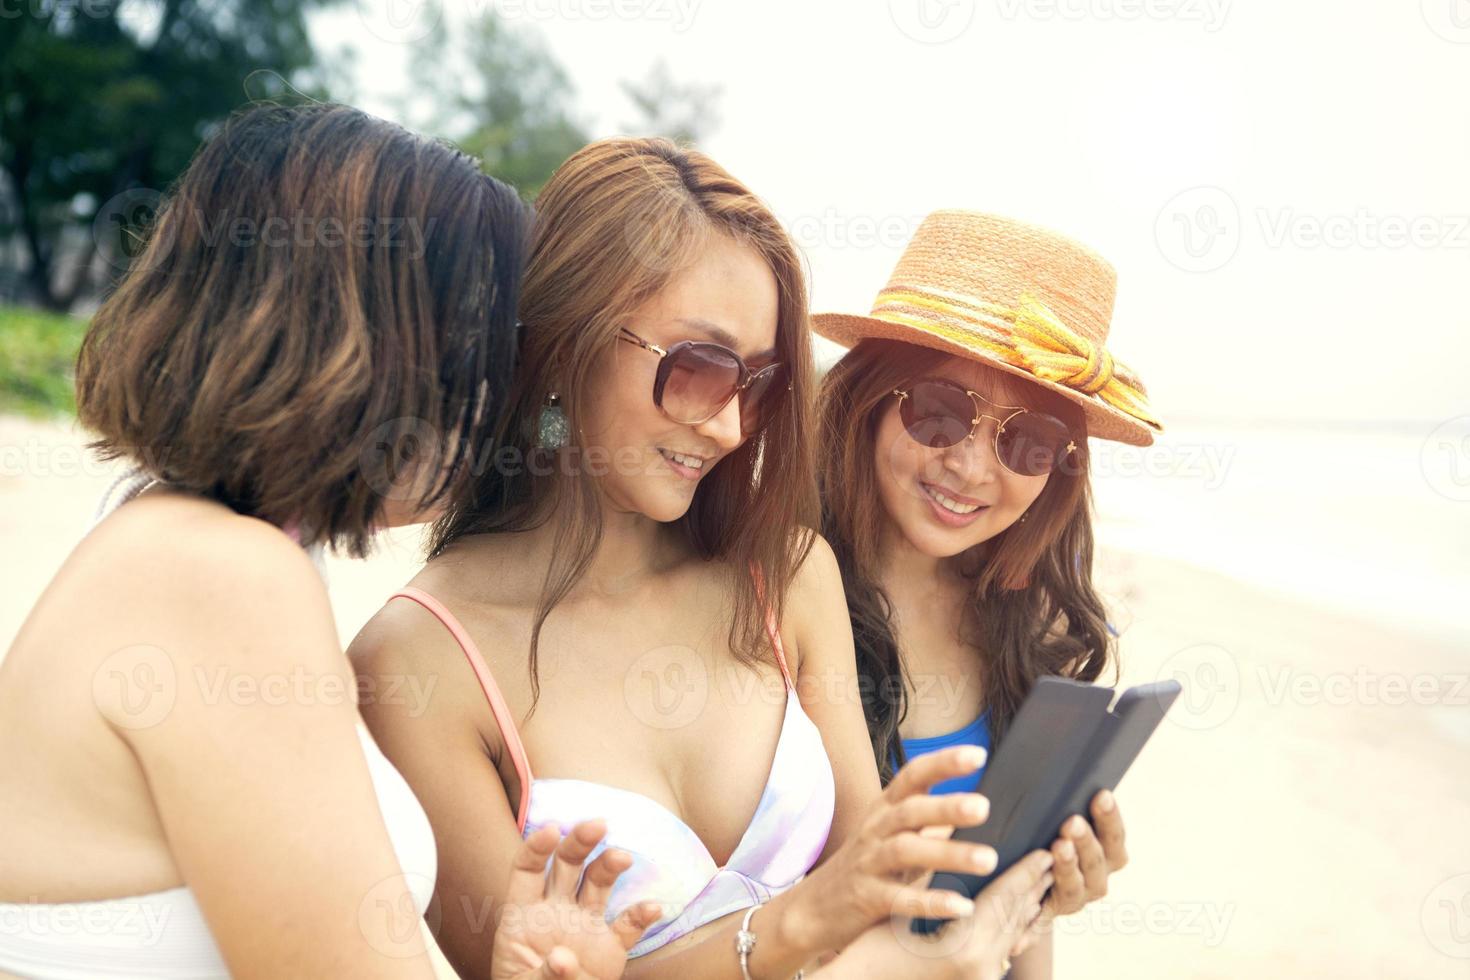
[1108, 820]
[919, 774]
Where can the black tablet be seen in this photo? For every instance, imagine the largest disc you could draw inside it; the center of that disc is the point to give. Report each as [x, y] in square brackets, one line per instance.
[1063, 748]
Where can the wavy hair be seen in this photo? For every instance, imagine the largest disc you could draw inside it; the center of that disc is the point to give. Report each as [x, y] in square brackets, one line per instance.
[1034, 609]
[616, 222]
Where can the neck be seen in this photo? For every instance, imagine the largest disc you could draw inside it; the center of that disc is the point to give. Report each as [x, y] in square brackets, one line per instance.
[633, 549]
[902, 566]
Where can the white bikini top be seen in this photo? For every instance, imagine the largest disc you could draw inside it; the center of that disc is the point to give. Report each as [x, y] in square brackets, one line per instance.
[163, 935]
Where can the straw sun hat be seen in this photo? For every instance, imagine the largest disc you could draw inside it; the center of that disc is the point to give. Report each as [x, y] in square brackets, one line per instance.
[1026, 300]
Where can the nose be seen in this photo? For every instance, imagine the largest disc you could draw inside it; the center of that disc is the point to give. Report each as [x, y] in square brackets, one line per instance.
[973, 460]
[724, 426]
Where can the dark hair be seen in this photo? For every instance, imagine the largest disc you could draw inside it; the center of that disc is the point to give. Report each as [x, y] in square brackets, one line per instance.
[324, 298]
[614, 225]
[1033, 610]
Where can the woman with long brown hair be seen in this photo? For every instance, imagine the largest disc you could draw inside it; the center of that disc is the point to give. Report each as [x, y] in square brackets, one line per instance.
[631, 602]
[189, 791]
[956, 496]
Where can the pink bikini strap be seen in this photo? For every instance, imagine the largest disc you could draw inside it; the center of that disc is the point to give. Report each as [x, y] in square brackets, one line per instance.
[498, 707]
[772, 627]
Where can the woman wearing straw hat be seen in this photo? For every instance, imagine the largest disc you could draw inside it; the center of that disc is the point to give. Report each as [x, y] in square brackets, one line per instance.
[957, 427]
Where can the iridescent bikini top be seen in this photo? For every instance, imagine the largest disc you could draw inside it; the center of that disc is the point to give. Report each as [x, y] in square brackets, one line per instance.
[671, 865]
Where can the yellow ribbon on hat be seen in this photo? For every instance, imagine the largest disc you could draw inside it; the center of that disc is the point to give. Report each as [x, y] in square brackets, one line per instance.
[1052, 352]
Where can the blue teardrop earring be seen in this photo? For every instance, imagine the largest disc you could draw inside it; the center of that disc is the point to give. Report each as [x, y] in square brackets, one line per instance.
[551, 424]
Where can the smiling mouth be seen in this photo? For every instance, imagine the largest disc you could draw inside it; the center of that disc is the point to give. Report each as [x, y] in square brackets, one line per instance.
[949, 503]
[689, 467]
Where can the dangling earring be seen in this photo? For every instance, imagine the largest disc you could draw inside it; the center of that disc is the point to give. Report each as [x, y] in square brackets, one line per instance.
[551, 424]
[1023, 518]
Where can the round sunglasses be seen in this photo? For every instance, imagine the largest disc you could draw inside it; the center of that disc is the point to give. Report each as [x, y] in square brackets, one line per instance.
[696, 380]
[939, 414]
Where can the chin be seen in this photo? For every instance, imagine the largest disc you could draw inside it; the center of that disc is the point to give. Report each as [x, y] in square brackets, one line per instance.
[937, 542]
[660, 504]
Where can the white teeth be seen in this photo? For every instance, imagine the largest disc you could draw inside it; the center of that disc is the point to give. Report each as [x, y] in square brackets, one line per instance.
[950, 504]
[693, 462]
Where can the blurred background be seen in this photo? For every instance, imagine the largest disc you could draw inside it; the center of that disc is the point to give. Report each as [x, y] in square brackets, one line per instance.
[1282, 189]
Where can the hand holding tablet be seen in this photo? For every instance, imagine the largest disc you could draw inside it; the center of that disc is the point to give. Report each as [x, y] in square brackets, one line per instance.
[1062, 749]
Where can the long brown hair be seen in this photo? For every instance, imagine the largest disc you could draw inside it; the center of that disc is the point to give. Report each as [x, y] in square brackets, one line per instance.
[322, 289]
[1035, 612]
[614, 225]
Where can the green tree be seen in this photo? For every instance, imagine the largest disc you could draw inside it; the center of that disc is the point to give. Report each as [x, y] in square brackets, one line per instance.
[100, 98]
[500, 95]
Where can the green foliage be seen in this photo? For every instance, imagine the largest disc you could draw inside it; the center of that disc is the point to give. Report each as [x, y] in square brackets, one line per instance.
[38, 353]
[500, 95]
[102, 97]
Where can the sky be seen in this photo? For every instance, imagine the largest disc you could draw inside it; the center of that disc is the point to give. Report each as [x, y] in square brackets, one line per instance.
[1281, 185]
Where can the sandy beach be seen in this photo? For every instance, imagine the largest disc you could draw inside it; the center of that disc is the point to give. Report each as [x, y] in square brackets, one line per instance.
[1304, 812]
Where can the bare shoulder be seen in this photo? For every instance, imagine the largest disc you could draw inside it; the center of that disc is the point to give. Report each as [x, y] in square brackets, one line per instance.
[183, 563]
[818, 580]
[816, 606]
[192, 590]
[405, 634]
[407, 647]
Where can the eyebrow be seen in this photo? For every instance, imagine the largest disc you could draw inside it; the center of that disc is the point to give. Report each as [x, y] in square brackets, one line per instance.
[720, 335]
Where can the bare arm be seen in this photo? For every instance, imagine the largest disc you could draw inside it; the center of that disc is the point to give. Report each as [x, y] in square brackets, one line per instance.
[263, 792]
[446, 745]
